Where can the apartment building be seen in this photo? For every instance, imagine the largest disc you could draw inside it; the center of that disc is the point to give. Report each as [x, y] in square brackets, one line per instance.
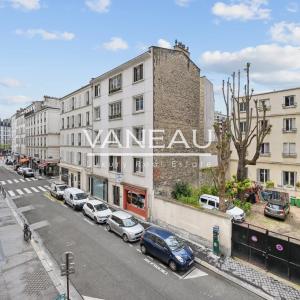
[76, 115]
[5, 134]
[279, 160]
[18, 133]
[42, 128]
[158, 90]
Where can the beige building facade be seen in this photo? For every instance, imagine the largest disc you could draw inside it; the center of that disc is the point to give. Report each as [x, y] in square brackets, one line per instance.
[279, 160]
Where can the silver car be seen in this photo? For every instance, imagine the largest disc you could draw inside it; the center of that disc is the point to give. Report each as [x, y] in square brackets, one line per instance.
[125, 225]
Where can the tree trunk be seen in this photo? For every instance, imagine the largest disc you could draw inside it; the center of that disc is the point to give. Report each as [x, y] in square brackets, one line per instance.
[241, 173]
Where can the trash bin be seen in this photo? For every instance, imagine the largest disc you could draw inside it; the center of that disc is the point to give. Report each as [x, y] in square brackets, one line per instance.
[298, 202]
[293, 200]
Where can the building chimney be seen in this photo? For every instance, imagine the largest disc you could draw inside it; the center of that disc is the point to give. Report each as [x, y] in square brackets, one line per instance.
[181, 47]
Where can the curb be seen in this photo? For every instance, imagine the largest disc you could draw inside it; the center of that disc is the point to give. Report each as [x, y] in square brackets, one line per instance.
[242, 284]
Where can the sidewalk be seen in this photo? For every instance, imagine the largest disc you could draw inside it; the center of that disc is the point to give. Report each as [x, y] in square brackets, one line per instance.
[22, 275]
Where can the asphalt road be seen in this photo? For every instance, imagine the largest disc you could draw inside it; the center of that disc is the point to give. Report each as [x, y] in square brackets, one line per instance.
[106, 267]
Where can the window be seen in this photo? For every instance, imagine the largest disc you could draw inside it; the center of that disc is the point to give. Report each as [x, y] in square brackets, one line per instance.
[115, 83]
[79, 139]
[138, 103]
[264, 104]
[97, 113]
[73, 103]
[263, 124]
[243, 106]
[87, 118]
[138, 165]
[62, 123]
[115, 163]
[136, 199]
[289, 101]
[115, 110]
[263, 175]
[72, 139]
[288, 178]
[62, 108]
[116, 137]
[79, 158]
[265, 148]
[97, 90]
[87, 97]
[97, 160]
[211, 203]
[116, 195]
[72, 122]
[289, 125]
[139, 133]
[289, 149]
[79, 120]
[138, 73]
[68, 122]
[243, 127]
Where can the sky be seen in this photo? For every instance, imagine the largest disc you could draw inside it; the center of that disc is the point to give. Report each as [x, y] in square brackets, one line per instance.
[52, 47]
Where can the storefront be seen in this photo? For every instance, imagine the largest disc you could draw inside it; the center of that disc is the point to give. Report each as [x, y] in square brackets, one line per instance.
[64, 175]
[135, 200]
[48, 168]
[98, 187]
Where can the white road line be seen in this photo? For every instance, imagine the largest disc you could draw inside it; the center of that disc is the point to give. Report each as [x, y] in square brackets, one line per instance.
[22, 180]
[16, 180]
[27, 179]
[20, 192]
[3, 182]
[88, 221]
[34, 179]
[42, 189]
[35, 190]
[11, 193]
[195, 273]
[47, 187]
[138, 250]
[9, 181]
[28, 191]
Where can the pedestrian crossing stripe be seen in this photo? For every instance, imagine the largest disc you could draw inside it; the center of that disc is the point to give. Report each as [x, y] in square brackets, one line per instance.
[22, 180]
[28, 191]
[28, 179]
[9, 181]
[42, 189]
[11, 193]
[35, 190]
[12, 181]
[16, 180]
[20, 192]
[3, 182]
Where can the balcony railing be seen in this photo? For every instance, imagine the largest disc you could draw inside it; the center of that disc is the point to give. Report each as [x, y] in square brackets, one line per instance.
[289, 155]
[116, 116]
[261, 108]
[292, 130]
[289, 106]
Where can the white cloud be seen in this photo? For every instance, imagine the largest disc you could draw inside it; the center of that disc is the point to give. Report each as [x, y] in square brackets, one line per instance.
[183, 3]
[25, 4]
[100, 6]
[243, 10]
[115, 44]
[19, 99]
[46, 35]
[286, 33]
[292, 7]
[10, 82]
[266, 67]
[164, 44]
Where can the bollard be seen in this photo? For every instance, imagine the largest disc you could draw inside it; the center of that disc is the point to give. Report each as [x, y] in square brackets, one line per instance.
[216, 243]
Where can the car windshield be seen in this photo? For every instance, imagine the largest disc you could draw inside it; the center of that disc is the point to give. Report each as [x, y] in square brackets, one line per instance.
[230, 205]
[28, 170]
[100, 207]
[174, 243]
[80, 196]
[130, 222]
[61, 187]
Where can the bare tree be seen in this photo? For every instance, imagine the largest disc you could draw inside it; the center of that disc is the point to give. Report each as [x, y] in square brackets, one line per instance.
[246, 127]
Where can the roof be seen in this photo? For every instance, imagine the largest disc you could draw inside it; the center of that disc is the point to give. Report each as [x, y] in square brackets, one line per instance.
[163, 233]
[95, 202]
[75, 190]
[121, 214]
[277, 91]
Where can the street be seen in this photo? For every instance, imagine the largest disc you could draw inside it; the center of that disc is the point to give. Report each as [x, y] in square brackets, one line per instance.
[106, 267]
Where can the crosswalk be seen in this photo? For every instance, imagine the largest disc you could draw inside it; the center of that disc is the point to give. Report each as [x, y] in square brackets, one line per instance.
[28, 190]
[12, 181]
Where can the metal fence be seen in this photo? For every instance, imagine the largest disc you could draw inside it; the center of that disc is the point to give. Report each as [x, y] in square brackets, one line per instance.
[277, 253]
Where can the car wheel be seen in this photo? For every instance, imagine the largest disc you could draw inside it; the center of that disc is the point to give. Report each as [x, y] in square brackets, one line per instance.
[84, 213]
[108, 227]
[143, 249]
[95, 219]
[125, 238]
[172, 266]
[65, 202]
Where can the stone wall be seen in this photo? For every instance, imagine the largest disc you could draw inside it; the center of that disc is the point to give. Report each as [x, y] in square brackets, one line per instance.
[176, 105]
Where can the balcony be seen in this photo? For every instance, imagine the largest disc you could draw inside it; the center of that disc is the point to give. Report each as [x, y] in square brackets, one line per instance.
[289, 155]
[114, 117]
[294, 105]
[292, 130]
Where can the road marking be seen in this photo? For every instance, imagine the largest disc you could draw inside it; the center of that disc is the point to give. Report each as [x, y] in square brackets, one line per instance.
[22, 180]
[47, 187]
[9, 181]
[194, 274]
[27, 179]
[39, 225]
[28, 191]
[16, 180]
[11, 193]
[42, 189]
[130, 245]
[90, 298]
[34, 179]
[20, 192]
[138, 250]
[155, 266]
[3, 182]
[35, 190]
[88, 221]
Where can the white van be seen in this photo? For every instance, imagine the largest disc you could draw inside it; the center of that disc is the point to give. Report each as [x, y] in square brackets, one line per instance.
[212, 202]
[76, 198]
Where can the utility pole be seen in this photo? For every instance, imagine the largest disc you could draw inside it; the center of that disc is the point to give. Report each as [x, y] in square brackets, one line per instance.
[68, 268]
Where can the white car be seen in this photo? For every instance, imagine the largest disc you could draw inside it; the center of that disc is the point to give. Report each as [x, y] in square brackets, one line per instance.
[76, 198]
[96, 210]
[212, 202]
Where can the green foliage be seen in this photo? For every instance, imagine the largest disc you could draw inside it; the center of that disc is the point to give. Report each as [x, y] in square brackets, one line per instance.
[235, 188]
[245, 206]
[298, 184]
[270, 184]
[181, 189]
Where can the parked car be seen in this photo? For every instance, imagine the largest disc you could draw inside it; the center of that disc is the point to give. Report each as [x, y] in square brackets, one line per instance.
[28, 172]
[167, 247]
[97, 210]
[16, 168]
[125, 225]
[76, 198]
[57, 189]
[212, 202]
[20, 170]
[277, 208]
[9, 162]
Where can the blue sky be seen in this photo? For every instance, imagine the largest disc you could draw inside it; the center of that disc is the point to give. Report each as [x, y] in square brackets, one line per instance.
[53, 47]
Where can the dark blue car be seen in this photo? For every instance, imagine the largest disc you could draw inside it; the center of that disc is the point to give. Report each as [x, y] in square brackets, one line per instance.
[167, 247]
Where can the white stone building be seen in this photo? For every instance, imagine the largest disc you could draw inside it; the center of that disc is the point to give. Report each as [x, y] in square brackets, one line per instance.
[5, 134]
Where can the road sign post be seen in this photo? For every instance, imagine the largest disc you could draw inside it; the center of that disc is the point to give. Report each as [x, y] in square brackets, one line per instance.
[68, 268]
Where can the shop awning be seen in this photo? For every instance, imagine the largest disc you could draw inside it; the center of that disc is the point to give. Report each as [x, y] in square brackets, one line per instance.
[24, 160]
